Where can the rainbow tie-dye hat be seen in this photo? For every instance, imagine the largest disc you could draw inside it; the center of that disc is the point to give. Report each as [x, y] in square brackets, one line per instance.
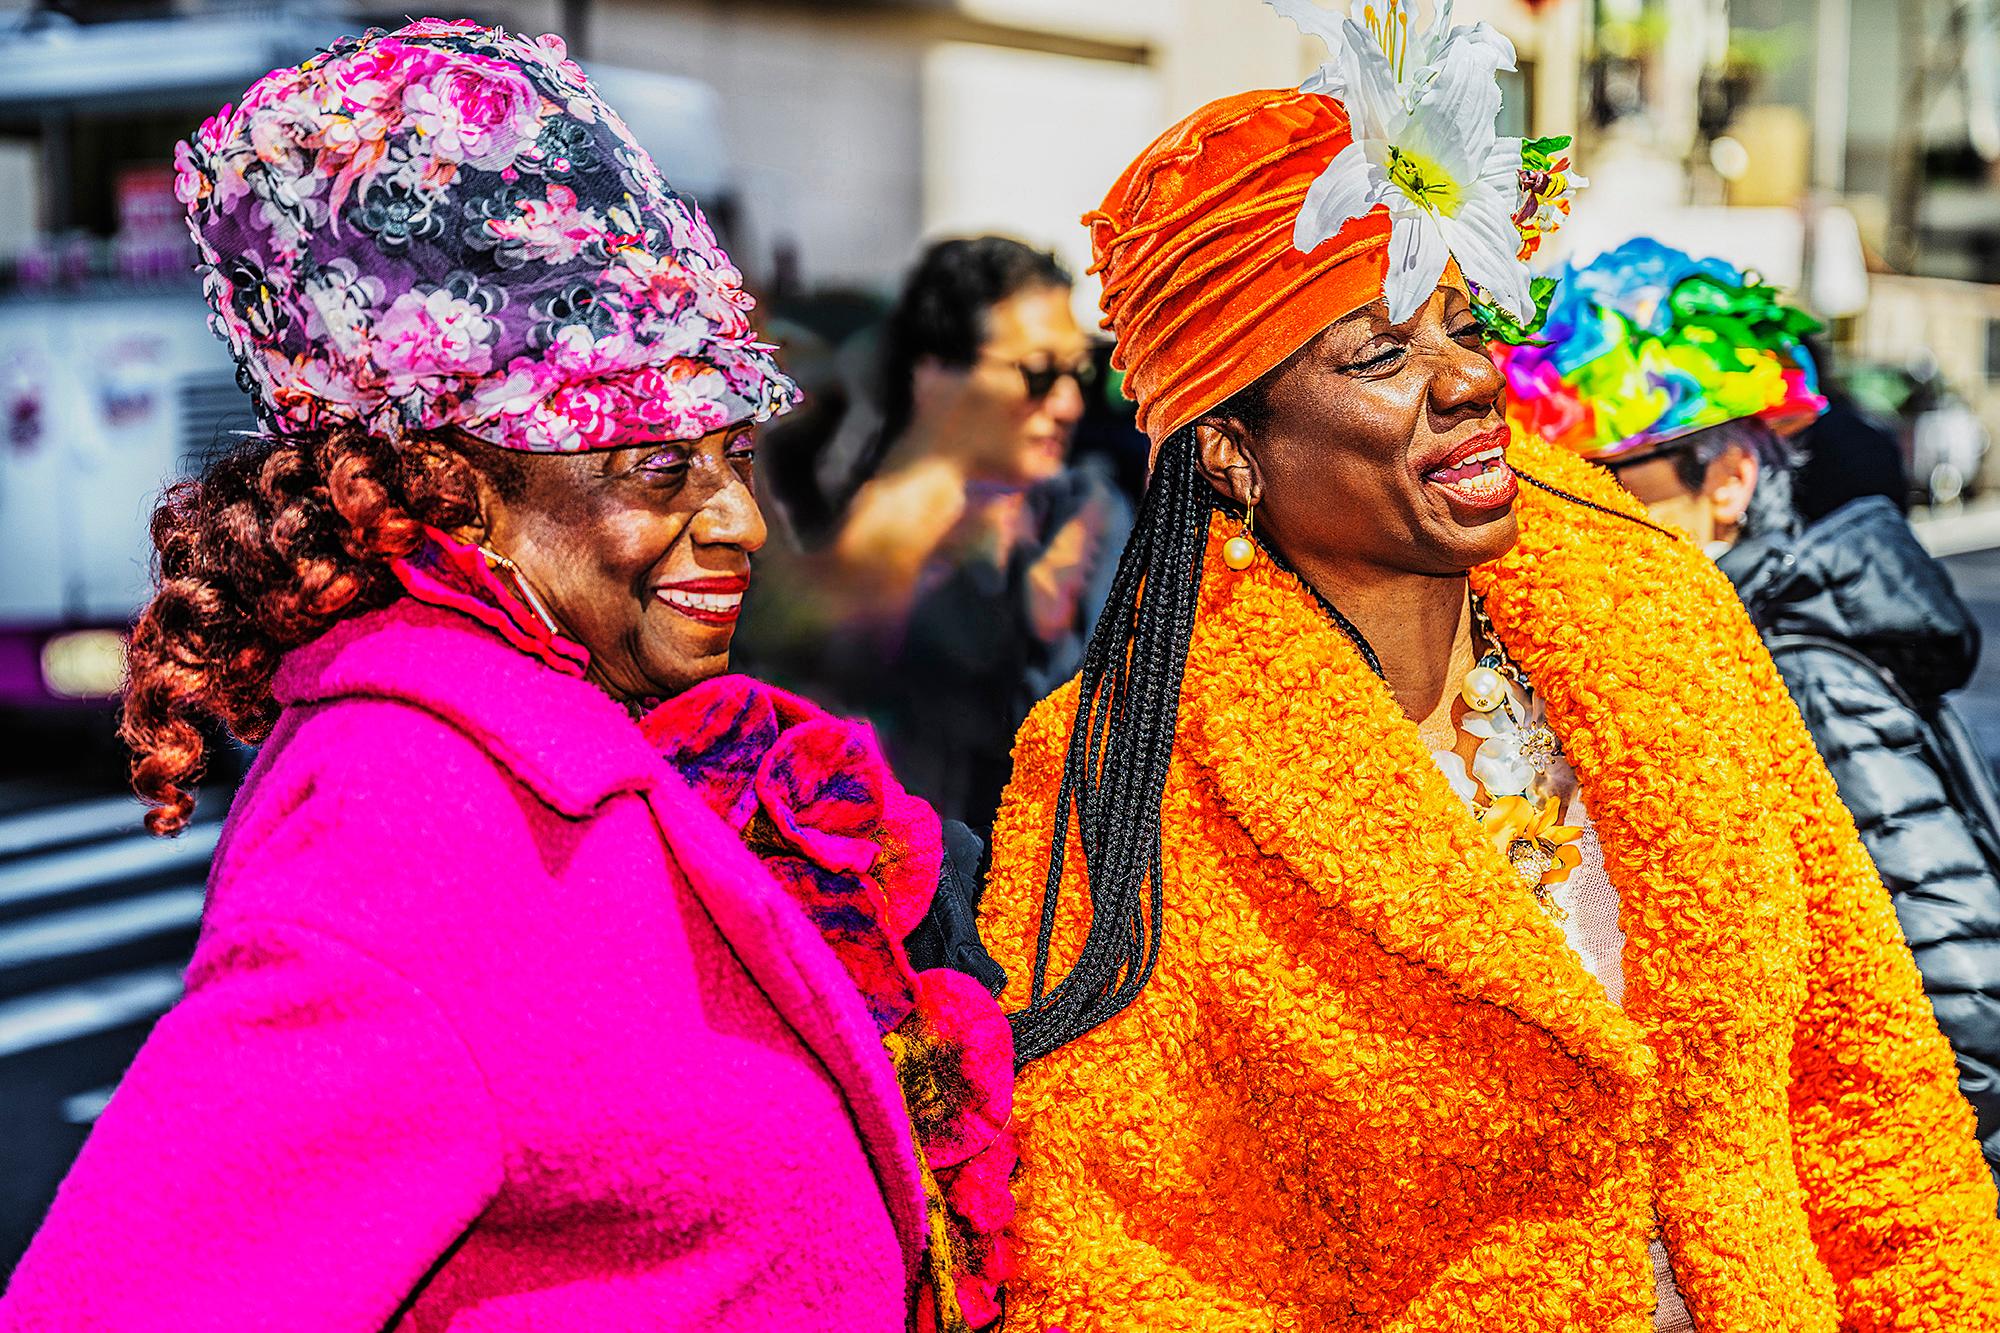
[1646, 344]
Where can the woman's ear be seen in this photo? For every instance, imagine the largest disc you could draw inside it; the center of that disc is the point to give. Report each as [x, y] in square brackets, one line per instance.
[1223, 454]
[479, 530]
[489, 492]
[934, 385]
[1729, 484]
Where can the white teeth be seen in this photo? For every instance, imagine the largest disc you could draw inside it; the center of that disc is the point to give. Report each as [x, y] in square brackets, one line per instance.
[1472, 465]
[701, 601]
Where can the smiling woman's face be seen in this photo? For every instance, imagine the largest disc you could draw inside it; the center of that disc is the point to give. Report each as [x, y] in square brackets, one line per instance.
[1381, 446]
[642, 554]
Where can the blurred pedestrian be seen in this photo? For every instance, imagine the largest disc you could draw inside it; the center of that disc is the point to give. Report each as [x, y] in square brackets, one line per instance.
[495, 1019]
[971, 559]
[1844, 455]
[1862, 623]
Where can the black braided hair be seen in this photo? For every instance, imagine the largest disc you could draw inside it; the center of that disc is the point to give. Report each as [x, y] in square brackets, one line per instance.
[1115, 772]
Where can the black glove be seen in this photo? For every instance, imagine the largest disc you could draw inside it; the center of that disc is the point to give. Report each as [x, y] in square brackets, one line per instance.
[948, 936]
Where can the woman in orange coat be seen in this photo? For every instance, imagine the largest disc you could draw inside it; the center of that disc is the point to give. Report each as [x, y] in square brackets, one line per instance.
[1451, 925]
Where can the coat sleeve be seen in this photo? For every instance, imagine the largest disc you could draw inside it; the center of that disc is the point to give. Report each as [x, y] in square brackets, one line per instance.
[1901, 1206]
[301, 1106]
[1945, 895]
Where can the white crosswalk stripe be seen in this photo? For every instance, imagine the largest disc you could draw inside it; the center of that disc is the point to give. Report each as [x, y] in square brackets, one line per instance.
[29, 879]
[72, 821]
[87, 929]
[44, 1018]
[97, 918]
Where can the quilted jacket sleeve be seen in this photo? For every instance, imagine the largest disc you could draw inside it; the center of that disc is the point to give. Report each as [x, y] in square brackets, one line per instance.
[1945, 895]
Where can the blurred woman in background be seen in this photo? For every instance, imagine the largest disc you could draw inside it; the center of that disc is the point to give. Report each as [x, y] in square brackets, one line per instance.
[971, 558]
[493, 1021]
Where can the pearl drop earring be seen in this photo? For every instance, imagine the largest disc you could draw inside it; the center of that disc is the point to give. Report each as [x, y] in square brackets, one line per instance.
[1239, 551]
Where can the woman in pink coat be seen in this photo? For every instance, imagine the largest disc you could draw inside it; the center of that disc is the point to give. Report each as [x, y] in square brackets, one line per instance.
[494, 1022]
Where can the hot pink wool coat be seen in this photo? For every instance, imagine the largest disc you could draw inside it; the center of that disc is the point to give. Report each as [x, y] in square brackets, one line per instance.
[492, 1025]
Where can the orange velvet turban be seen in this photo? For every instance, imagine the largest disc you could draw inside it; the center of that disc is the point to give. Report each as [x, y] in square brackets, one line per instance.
[1201, 282]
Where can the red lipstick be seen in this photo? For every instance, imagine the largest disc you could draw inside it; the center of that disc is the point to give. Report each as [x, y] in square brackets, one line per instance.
[716, 600]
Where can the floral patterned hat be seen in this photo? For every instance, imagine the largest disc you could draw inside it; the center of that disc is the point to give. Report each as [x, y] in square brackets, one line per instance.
[446, 226]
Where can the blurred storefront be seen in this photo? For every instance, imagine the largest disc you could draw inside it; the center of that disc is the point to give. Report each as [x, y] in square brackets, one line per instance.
[1848, 149]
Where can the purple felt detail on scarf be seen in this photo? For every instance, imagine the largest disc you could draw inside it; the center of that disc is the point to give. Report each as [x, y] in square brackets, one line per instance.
[813, 796]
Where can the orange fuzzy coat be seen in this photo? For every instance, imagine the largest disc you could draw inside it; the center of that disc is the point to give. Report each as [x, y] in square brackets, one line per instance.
[1369, 1086]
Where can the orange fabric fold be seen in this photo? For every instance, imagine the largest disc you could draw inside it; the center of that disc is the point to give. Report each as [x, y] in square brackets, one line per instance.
[1202, 284]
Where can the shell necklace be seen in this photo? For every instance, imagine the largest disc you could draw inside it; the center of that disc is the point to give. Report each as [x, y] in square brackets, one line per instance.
[1519, 782]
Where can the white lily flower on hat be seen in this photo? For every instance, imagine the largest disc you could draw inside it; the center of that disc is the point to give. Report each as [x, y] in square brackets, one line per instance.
[1423, 106]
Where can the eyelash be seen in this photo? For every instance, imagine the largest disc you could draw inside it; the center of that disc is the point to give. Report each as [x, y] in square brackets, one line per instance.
[1382, 359]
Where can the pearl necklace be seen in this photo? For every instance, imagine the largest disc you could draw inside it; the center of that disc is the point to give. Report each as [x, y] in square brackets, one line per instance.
[1519, 782]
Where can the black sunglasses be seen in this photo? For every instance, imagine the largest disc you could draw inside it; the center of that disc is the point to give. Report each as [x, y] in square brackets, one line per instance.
[1040, 381]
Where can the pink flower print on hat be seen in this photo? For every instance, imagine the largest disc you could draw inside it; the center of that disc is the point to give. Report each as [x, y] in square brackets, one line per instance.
[479, 112]
[428, 340]
[445, 226]
[549, 230]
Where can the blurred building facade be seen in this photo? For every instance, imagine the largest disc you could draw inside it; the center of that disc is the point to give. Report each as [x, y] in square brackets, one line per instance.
[863, 127]
[1846, 148]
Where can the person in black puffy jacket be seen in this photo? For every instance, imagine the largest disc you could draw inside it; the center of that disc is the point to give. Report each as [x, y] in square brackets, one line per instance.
[1870, 638]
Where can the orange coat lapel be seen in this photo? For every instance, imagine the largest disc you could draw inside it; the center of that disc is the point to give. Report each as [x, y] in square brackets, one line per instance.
[1276, 701]
[1689, 837]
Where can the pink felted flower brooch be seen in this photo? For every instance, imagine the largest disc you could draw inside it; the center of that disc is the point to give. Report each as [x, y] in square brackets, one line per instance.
[813, 797]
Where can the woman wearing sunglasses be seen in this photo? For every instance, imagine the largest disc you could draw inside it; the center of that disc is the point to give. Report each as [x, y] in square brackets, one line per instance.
[973, 557]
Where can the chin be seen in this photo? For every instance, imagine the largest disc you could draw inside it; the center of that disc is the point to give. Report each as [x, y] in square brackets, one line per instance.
[1458, 547]
[1039, 462]
[686, 665]
[1492, 539]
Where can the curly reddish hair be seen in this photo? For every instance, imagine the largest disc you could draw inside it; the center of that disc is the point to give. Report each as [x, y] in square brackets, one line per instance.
[276, 542]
